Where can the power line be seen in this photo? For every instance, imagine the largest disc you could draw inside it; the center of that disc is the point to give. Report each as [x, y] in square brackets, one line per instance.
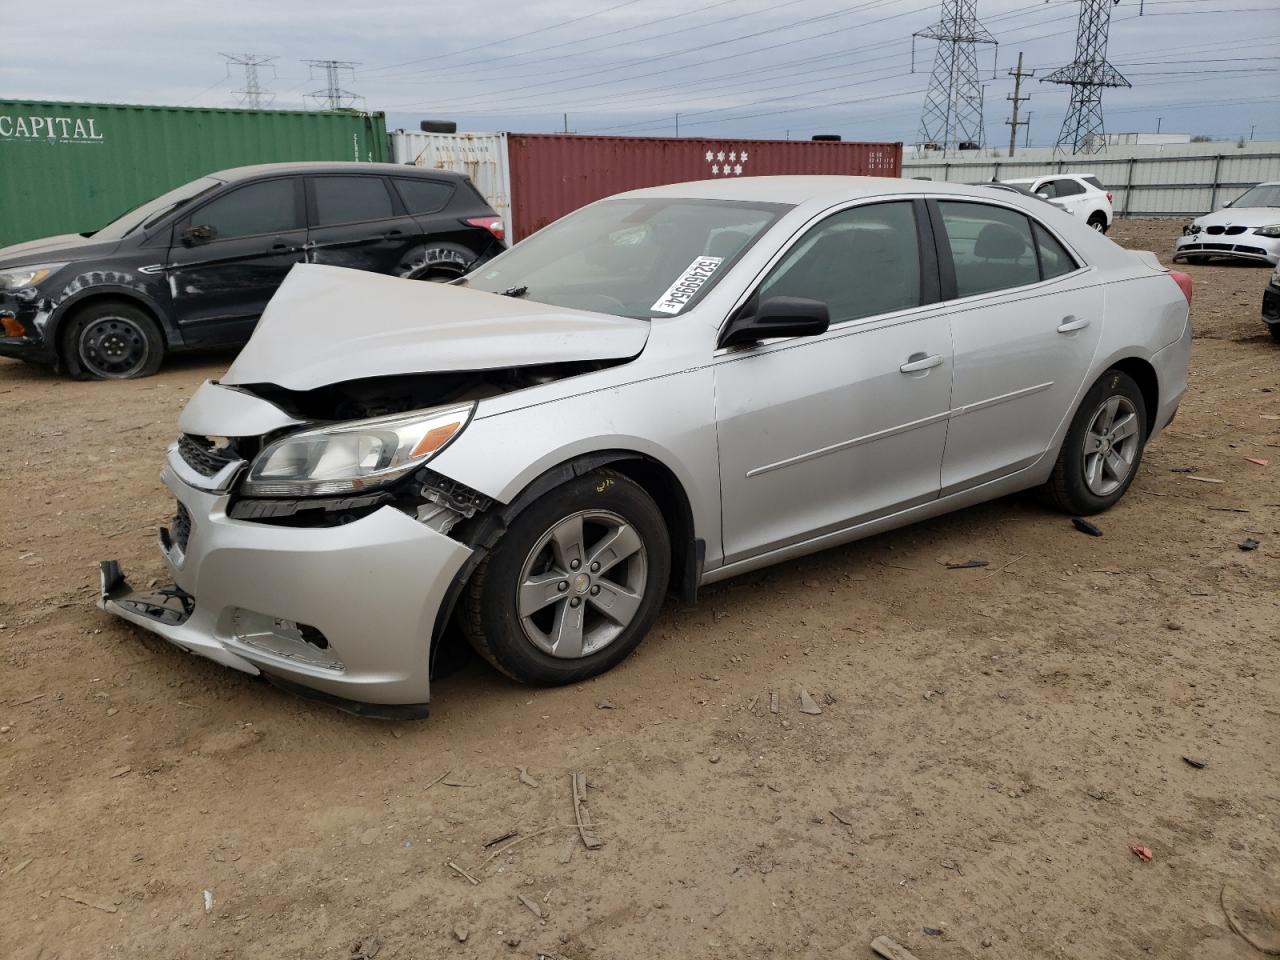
[252, 95]
[518, 36]
[593, 73]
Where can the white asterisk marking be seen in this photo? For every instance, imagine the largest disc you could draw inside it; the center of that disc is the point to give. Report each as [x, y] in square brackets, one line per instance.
[720, 155]
[709, 156]
[743, 156]
[714, 169]
[732, 156]
[737, 169]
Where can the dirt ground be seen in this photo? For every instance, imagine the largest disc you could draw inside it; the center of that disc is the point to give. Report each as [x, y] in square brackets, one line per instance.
[991, 743]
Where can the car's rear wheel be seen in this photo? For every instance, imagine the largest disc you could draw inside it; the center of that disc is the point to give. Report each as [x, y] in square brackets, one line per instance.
[1275, 331]
[1103, 448]
[112, 340]
[574, 584]
[1099, 222]
[441, 263]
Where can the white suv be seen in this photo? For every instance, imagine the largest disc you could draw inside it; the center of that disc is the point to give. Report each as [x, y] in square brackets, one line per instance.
[1081, 196]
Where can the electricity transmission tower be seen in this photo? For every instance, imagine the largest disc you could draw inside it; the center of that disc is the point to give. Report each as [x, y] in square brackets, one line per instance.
[333, 95]
[1087, 76]
[252, 95]
[952, 112]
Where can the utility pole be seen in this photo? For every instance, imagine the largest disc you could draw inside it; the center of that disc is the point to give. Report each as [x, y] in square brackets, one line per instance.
[952, 112]
[1017, 75]
[1159, 120]
[252, 95]
[1027, 123]
[678, 127]
[333, 95]
[1087, 76]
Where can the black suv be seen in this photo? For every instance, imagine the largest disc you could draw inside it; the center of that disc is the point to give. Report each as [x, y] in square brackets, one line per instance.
[196, 266]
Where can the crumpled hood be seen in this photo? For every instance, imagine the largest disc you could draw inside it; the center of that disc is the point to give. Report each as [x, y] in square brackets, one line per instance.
[332, 324]
[1243, 217]
[67, 246]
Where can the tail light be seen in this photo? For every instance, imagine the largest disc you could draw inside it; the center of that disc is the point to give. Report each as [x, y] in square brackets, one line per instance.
[493, 224]
[1184, 283]
[1109, 200]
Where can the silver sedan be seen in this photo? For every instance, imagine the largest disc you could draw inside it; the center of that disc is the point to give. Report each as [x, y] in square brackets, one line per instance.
[660, 391]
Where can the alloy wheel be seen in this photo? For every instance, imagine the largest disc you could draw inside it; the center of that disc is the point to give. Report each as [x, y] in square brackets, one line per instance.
[582, 584]
[1110, 445]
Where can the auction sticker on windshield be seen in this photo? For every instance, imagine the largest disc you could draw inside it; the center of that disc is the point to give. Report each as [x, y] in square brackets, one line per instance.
[679, 294]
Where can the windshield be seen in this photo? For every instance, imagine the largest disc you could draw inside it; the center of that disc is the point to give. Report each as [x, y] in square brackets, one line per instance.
[1264, 195]
[146, 214]
[641, 258]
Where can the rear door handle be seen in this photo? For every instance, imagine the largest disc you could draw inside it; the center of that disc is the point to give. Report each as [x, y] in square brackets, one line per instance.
[1071, 324]
[920, 361]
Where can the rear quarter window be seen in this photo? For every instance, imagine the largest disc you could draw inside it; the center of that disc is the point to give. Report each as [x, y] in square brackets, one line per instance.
[424, 196]
[1093, 182]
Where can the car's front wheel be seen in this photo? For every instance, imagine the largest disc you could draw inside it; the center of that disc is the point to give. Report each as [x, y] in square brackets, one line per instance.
[1103, 448]
[574, 584]
[112, 340]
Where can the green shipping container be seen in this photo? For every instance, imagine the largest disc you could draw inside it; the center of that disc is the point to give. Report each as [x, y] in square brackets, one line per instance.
[74, 167]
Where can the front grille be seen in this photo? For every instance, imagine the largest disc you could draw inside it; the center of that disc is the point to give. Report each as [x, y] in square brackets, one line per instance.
[199, 454]
[1232, 231]
[1215, 230]
[181, 527]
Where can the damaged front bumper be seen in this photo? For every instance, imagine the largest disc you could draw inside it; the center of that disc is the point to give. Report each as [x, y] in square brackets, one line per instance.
[345, 613]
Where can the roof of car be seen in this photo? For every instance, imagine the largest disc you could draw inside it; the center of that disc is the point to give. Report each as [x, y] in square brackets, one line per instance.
[1049, 176]
[799, 189]
[331, 166]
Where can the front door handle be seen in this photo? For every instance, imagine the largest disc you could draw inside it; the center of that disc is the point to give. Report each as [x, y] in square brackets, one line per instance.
[1071, 324]
[921, 361]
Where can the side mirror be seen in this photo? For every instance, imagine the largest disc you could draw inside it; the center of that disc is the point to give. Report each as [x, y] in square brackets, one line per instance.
[197, 234]
[1042, 195]
[1227, 204]
[777, 317]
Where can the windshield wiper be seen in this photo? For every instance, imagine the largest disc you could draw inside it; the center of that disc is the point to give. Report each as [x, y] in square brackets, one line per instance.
[519, 291]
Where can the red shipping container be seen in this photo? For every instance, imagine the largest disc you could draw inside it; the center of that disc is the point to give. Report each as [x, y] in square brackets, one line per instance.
[554, 174]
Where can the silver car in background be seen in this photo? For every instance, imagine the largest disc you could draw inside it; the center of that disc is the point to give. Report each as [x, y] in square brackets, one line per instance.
[1247, 227]
[660, 391]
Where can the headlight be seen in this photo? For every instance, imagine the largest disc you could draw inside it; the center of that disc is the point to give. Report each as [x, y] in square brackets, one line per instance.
[1272, 230]
[27, 276]
[356, 456]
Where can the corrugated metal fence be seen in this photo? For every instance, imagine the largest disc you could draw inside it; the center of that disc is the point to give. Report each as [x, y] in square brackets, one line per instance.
[481, 156]
[1142, 186]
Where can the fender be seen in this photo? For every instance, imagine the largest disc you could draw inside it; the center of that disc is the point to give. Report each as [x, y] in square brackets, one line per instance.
[485, 532]
[118, 285]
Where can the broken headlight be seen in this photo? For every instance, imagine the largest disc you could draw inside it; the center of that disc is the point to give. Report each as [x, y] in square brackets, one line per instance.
[354, 456]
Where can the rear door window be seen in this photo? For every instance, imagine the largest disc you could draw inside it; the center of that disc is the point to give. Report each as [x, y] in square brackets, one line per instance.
[1094, 182]
[424, 196]
[269, 206]
[1068, 188]
[350, 200]
[991, 247]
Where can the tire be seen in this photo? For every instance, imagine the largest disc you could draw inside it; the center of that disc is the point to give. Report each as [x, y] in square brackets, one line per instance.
[440, 263]
[1098, 221]
[534, 648]
[112, 340]
[1083, 482]
[1275, 331]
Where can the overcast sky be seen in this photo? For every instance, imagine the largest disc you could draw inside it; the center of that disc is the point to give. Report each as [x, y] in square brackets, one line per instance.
[734, 68]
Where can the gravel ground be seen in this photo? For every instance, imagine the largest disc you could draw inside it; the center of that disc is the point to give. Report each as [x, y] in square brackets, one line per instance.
[991, 744]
